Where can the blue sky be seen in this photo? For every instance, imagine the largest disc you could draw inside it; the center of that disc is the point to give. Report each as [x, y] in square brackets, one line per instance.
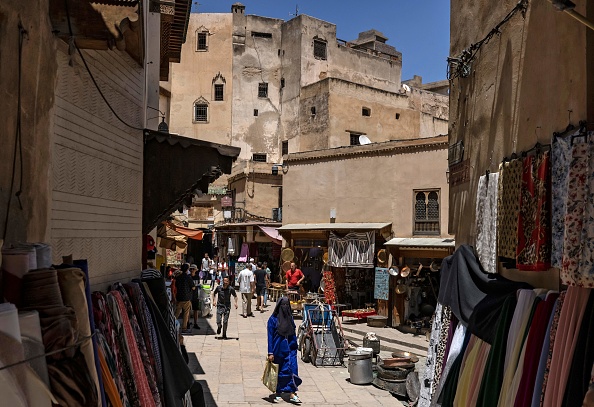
[420, 29]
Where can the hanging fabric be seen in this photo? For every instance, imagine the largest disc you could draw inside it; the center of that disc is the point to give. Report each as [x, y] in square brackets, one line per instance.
[508, 209]
[560, 163]
[486, 221]
[534, 227]
[356, 250]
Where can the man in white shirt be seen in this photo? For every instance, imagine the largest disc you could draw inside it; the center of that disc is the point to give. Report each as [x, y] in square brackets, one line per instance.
[205, 269]
[246, 288]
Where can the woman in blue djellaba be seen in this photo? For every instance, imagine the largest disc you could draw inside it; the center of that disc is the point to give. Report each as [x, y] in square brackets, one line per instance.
[282, 349]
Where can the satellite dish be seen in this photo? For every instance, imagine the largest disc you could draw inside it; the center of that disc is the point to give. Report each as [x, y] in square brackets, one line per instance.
[364, 140]
[406, 87]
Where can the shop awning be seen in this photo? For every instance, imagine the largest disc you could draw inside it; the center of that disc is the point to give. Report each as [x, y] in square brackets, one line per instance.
[333, 226]
[272, 233]
[174, 168]
[422, 242]
[190, 233]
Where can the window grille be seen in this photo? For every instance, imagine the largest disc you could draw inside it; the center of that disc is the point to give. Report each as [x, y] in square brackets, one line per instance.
[285, 147]
[320, 49]
[219, 92]
[259, 158]
[355, 139]
[201, 113]
[426, 205]
[263, 90]
[201, 44]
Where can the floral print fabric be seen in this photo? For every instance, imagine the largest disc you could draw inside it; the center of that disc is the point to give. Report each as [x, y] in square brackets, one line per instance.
[560, 162]
[508, 208]
[486, 221]
[534, 223]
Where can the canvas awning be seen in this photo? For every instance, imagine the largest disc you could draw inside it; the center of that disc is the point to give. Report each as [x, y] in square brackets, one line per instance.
[190, 233]
[174, 168]
[333, 226]
[272, 233]
[422, 242]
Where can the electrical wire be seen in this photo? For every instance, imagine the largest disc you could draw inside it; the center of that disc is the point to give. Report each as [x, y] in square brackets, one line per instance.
[18, 144]
[73, 44]
[459, 67]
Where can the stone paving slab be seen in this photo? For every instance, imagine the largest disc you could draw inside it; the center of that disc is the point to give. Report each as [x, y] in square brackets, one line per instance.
[230, 370]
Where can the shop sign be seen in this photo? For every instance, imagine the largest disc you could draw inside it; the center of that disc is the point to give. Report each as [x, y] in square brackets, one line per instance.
[226, 201]
[382, 284]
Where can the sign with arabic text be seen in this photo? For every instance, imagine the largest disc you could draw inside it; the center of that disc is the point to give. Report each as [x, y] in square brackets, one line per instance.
[382, 284]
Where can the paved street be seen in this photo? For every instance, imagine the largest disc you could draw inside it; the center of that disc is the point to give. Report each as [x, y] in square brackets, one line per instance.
[230, 370]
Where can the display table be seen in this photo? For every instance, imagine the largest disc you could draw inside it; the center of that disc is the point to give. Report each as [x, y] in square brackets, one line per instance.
[340, 308]
[275, 293]
[359, 314]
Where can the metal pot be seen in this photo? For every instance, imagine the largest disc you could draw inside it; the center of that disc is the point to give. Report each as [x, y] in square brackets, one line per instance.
[359, 365]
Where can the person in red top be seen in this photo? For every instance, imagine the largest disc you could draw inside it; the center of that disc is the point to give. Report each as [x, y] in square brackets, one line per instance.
[294, 278]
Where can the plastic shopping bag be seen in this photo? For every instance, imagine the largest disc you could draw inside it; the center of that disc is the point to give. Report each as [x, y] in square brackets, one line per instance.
[270, 376]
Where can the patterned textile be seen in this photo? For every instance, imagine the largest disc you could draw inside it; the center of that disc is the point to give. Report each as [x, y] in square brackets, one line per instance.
[586, 277]
[441, 347]
[552, 335]
[158, 293]
[534, 250]
[544, 355]
[560, 161]
[486, 221]
[508, 208]
[141, 382]
[428, 382]
[456, 347]
[356, 249]
[577, 195]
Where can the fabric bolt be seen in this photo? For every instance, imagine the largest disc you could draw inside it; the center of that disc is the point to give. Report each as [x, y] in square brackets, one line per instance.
[467, 366]
[577, 195]
[123, 355]
[441, 348]
[544, 353]
[448, 393]
[32, 340]
[111, 364]
[463, 285]
[158, 293]
[486, 221]
[494, 367]
[177, 377]
[525, 298]
[428, 379]
[583, 359]
[534, 223]
[533, 349]
[145, 397]
[560, 162]
[450, 336]
[478, 372]
[455, 348]
[72, 287]
[147, 362]
[15, 264]
[508, 387]
[111, 390]
[549, 352]
[40, 288]
[570, 321]
[508, 208]
[468, 383]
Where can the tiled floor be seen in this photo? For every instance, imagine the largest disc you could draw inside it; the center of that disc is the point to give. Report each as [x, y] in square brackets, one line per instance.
[230, 370]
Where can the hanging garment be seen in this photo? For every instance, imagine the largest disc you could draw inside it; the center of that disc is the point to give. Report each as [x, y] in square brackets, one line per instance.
[534, 224]
[441, 347]
[448, 393]
[560, 162]
[427, 381]
[577, 195]
[486, 221]
[490, 386]
[472, 371]
[244, 254]
[508, 209]
[586, 266]
[552, 336]
[570, 321]
[532, 351]
[356, 249]
[455, 348]
[451, 331]
[463, 285]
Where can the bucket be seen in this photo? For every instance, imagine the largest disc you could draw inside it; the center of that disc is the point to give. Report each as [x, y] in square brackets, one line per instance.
[359, 366]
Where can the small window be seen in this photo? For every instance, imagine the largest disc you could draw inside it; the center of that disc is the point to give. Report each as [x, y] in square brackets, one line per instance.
[313, 110]
[282, 83]
[259, 158]
[355, 139]
[263, 90]
[255, 112]
[285, 147]
[261, 35]
[397, 116]
[201, 43]
[366, 111]
[218, 92]
[319, 49]
[201, 112]
[426, 206]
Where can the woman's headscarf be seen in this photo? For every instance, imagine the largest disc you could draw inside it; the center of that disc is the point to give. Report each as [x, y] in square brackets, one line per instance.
[284, 315]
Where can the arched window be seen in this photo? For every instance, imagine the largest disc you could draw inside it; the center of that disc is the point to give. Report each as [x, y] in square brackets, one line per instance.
[426, 213]
[218, 88]
[202, 39]
[201, 110]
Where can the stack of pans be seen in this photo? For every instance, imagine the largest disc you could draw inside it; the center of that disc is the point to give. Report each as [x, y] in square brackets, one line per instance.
[397, 375]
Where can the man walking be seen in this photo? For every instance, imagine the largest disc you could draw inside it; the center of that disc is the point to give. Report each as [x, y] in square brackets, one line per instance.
[184, 285]
[222, 301]
[205, 269]
[261, 281]
[246, 288]
[269, 275]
